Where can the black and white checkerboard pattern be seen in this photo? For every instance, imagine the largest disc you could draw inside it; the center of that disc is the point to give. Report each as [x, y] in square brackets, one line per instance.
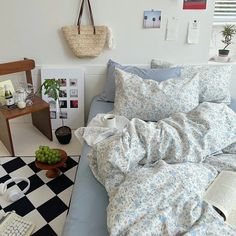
[47, 201]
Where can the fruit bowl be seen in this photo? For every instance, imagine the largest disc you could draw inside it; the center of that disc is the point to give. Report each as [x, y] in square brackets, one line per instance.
[52, 170]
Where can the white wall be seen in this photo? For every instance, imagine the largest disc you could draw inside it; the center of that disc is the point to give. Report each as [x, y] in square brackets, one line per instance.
[32, 29]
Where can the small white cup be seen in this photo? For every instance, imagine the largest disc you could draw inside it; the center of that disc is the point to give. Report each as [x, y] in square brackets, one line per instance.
[109, 120]
[21, 105]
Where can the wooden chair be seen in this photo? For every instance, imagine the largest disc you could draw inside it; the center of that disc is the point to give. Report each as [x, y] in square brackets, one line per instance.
[39, 111]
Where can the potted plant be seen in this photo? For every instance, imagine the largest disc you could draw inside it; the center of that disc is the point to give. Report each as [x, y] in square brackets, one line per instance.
[52, 88]
[228, 32]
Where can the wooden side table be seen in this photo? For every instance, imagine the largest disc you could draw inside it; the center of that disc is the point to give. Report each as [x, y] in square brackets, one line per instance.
[39, 110]
[40, 117]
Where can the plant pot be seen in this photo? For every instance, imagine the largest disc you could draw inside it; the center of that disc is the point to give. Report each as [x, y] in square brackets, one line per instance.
[223, 52]
[63, 134]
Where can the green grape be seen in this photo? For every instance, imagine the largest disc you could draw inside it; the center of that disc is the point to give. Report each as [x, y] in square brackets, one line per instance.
[47, 155]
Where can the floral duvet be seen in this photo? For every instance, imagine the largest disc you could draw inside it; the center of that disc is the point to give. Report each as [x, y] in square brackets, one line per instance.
[156, 173]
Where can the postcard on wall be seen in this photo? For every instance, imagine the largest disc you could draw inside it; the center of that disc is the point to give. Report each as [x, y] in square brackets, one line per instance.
[194, 4]
[152, 19]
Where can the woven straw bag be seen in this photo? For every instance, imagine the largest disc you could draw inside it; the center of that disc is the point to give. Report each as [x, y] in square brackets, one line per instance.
[86, 41]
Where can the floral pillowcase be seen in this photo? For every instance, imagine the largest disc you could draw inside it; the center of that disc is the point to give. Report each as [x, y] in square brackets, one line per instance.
[214, 79]
[152, 101]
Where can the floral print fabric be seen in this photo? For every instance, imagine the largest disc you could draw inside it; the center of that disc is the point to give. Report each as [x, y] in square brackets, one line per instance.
[156, 173]
[152, 101]
[214, 79]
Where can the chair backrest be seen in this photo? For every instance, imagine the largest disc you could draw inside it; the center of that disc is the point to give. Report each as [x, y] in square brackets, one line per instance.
[18, 66]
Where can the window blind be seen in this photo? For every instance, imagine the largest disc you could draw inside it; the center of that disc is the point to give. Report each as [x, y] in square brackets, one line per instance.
[225, 11]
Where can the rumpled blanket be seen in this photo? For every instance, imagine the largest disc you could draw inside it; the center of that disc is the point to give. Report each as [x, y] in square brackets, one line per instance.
[156, 173]
[96, 131]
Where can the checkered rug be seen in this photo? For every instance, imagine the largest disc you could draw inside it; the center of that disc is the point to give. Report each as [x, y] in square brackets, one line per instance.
[47, 201]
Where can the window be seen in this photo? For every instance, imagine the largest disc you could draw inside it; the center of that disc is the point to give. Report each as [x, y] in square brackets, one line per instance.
[225, 11]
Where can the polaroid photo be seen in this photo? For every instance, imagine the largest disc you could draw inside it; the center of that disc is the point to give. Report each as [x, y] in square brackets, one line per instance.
[73, 82]
[62, 82]
[62, 93]
[63, 115]
[152, 19]
[63, 104]
[53, 114]
[74, 104]
[74, 93]
[52, 104]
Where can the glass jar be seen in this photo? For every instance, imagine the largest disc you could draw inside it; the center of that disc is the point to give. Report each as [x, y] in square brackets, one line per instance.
[20, 95]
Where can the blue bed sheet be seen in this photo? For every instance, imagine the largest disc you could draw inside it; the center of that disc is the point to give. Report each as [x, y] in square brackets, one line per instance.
[87, 214]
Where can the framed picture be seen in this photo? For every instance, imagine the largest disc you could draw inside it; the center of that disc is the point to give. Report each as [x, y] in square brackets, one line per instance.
[152, 19]
[70, 106]
[194, 4]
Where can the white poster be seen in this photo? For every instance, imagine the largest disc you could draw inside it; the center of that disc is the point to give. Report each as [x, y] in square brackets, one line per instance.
[193, 32]
[172, 29]
[70, 106]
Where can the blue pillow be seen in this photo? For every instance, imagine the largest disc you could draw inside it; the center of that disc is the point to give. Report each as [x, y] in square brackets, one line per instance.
[233, 104]
[158, 75]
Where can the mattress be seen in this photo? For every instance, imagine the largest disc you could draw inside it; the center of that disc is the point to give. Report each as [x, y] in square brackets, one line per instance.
[87, 214]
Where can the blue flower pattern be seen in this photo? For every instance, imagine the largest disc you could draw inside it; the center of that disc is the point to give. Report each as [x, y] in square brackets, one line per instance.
[151, 100]
[156, 173]
[214, 79]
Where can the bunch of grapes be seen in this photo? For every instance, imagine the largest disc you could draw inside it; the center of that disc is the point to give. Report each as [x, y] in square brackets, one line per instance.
[46, 155]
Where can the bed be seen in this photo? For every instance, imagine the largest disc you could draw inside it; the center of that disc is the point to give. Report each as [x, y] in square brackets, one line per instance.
[87, 214]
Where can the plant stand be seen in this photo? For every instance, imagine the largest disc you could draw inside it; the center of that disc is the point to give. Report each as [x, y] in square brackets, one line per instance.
[52, 170]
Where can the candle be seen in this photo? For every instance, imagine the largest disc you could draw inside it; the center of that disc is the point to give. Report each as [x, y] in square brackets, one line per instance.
[21, 104]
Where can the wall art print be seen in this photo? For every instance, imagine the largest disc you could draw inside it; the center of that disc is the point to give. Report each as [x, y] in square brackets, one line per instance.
[194, 4]
[152, 19]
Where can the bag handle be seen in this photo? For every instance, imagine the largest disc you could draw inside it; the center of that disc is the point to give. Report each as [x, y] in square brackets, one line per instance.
[81, 14]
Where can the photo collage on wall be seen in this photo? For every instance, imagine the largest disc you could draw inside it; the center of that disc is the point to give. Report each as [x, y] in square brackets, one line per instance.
[68, 99]
[70, 104]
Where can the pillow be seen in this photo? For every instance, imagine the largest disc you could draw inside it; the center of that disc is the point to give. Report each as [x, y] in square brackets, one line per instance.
[214, 80]
[150, 100]
[154, 74]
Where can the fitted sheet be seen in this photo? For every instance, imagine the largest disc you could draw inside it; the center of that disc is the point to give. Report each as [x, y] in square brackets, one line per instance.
[87, 214]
